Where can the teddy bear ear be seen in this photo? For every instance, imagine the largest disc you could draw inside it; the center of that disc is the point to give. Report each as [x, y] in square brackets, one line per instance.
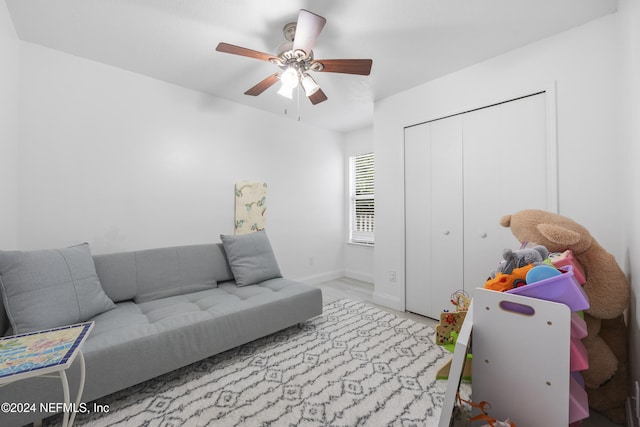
[505, 221]
[558, 234]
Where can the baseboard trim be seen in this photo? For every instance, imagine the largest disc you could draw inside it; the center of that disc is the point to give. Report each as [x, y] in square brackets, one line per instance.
[389, 301]
[322, 277]
[358, 275]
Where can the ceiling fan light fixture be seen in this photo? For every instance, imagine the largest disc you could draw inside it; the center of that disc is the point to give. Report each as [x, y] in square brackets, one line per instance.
[285, 91]
[309, 84]
[290, 78]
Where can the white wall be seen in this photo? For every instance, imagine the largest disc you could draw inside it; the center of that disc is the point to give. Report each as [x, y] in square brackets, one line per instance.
[358, 259]
[126, 162]
[629, 11]
[584, 63]
[9, 56]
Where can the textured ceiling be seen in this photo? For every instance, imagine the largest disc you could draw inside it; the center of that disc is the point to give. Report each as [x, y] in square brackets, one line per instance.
[410, 41]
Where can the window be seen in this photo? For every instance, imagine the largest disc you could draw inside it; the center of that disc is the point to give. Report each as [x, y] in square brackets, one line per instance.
[362, 222]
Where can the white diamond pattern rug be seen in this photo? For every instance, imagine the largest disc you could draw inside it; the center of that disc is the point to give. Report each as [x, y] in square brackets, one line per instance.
[354, 365]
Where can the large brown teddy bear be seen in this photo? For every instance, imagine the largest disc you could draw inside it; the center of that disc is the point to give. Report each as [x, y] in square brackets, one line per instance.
[607, 287]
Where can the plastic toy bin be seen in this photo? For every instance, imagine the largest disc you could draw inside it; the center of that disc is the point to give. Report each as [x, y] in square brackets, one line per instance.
[563, 289]
[566, 258]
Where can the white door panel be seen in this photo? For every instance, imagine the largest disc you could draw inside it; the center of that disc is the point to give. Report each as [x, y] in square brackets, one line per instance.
[504, 171]
[446, 212]
[417, 234]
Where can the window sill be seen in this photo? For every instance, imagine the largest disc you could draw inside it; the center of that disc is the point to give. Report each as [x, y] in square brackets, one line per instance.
[366, 245]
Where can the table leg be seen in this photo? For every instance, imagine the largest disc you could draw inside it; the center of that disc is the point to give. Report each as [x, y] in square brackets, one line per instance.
[65, 390]
[80, 388]
[67, 420]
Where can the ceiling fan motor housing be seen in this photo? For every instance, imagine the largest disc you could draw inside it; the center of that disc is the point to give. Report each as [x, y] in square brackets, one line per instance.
[289, 31]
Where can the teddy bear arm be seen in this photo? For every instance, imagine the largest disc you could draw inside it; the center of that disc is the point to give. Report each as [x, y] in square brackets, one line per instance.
[607, 286]
[608, 293]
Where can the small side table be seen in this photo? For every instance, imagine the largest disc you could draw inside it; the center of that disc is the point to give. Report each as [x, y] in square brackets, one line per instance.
[47, 354]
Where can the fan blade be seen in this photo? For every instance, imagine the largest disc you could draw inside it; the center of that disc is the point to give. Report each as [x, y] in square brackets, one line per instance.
[346, 66]
[243, 51]
[317, 97]
[263, 85]
[308, 28]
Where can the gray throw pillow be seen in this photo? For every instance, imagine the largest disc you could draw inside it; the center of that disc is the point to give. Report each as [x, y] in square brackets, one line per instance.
[49, 288]
[251, 258]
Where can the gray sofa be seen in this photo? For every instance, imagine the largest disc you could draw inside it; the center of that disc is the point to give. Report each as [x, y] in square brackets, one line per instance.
[171, 307]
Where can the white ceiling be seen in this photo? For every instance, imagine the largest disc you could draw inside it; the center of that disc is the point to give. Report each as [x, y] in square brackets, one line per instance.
[410, 41]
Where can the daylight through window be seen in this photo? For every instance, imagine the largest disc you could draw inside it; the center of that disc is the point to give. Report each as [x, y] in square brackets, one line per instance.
[362, 219]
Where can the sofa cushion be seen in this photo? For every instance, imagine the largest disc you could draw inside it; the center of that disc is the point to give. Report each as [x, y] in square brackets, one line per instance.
[52, 287]
[251, 258]
[120, 275]
[131, 322]
[166, 272]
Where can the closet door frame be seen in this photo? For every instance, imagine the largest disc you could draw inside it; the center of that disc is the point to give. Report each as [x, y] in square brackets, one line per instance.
[549, 91]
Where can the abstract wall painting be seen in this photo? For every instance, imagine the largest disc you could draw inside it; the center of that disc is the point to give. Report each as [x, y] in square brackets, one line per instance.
[251, 206]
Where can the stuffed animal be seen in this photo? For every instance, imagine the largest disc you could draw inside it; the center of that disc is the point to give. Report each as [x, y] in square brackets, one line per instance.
[606, 380]
[512, 271]
[517, 259]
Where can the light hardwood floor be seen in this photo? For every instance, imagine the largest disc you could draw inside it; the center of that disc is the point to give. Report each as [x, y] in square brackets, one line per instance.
[361, 291]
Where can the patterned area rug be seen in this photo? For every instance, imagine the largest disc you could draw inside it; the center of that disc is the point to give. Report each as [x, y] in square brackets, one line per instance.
[354, 365]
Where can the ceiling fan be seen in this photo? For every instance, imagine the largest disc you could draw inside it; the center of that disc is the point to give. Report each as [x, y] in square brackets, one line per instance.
[295, 60]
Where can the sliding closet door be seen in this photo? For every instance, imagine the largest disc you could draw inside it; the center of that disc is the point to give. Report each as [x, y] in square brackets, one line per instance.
[462, 174]
[505, 170]
[433, 222]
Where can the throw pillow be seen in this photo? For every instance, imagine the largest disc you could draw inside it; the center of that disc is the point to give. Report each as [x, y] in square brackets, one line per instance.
[49, 288]
[251, 258]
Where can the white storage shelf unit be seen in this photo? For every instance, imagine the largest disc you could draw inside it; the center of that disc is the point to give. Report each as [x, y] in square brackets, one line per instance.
[522, 357]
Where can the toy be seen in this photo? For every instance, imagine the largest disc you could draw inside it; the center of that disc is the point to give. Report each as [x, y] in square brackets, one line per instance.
[451, 322]
[503, 282]
[484, 415]
[448, 329]
[541, 272]
[513, 269]
[566, 258]
[516, 259]
[608, 290]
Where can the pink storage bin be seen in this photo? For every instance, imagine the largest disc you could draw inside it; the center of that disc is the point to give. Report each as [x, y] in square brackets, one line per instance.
[563, 289]
[578, 326]
[577, 377]
[578, 402]
[578, 359]
[566, 258]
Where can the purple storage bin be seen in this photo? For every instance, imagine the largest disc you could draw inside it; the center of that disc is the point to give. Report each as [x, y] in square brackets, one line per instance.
[563, 288]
